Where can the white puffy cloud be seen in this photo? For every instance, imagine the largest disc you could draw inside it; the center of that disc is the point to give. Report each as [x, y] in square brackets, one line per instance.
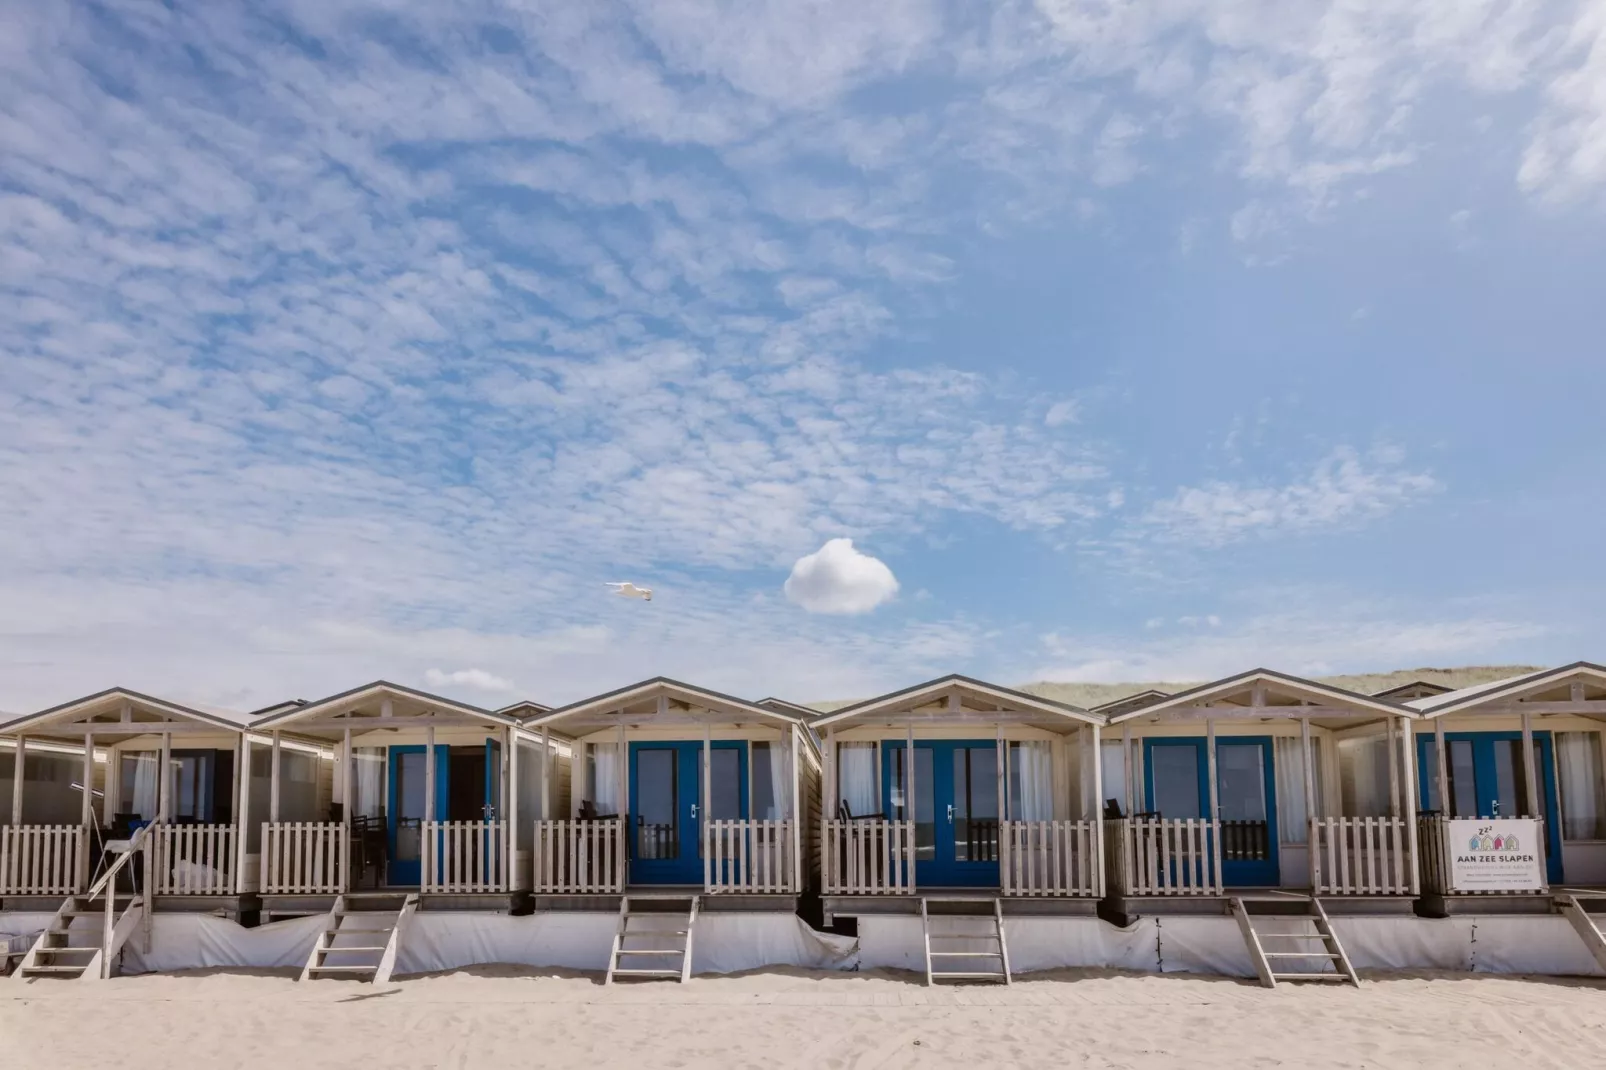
[836, 578]
[472, 679]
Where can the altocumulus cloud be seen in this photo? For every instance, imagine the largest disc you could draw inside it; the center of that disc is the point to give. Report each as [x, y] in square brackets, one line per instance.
[472, 679]
[836, 578]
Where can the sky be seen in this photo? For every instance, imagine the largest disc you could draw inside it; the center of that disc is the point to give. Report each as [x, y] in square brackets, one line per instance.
[1077, 339]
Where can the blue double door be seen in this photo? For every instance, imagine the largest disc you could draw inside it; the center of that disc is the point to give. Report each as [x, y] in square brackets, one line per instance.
[666, 815]
[1176, 785]
[954, 807]
[408, 789]
[1489, 779]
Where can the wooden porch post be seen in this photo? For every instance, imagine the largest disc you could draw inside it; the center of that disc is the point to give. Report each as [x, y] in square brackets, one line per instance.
[707, 795]
[510, 807]
[429, 777]
[1446, 804]
[164, 786]
[86, 811]
[1001, 775]
[236, 756]
[1528, 766]
[1394, 775]
[622, 793]
[1407, 758]
[1126, 752]
[114, 784]
[1312, 846]
[243, 812]
[546, 773]
[795, 811]
[348, 773]
[1097, 816]
[1215, 800]
[828, 791]
[17, 772]
[273, 780]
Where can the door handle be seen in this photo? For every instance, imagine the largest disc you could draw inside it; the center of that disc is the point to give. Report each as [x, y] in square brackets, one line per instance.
[694, 811]
[950, 813]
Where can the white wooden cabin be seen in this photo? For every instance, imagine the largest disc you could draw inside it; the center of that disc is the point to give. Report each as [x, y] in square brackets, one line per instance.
[427, 795]
[1257, 784]
[676, 787]
[960, 789]
[1529, 750]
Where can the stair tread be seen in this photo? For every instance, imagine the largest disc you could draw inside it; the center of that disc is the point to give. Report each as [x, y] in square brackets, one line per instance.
[342, 969]
[1301, 955]
[967, 975]
[967, 954]
[26, 970]
[341, 949]
[652, 951]
[1310, 977]
[646, 973]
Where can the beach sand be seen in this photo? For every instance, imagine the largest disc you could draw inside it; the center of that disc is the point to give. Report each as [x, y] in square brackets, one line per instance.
[514, 1017]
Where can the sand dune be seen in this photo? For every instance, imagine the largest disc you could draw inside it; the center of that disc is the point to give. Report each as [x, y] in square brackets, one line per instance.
[494, 1017]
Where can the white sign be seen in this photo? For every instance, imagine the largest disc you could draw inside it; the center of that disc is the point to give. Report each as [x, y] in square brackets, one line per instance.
[1495, 856]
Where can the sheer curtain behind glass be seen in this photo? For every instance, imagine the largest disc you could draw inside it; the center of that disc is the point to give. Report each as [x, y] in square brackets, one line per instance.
[1112, 756]
[1583, 786]
[1364, 777]
[604, 778]
[1293, 821]
[1031, 781]
[857, 776]
[140, 773]
[368, 796]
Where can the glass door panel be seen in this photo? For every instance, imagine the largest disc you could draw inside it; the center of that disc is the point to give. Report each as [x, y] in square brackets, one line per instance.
[975, 805]
[656, 802]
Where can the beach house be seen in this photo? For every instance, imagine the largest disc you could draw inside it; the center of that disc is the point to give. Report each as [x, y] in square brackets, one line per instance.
[683, 802]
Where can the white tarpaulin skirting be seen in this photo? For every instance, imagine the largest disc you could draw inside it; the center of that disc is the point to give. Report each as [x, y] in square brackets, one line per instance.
[730, 942]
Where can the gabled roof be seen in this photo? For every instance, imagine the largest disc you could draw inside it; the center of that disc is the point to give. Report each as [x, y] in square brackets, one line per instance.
[1017, 699]
[789, 707]
[378, 689]
[1144, 697]
[651, 689]
[1511, 686]
[524, 708]
[1414, 690]
[1295, 684]
[220, 718]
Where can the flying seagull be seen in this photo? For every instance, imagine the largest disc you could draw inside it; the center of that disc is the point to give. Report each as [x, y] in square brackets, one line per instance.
[630, 590]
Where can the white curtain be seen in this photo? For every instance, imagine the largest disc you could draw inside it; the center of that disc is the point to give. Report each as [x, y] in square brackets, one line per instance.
[368, 796]
[1113, 756]
[856, 776]
[605, 777]
[1364, 776]
[781, 778]
[144, 781]
[1031, 781]
[1583, 792]
[1293, 820]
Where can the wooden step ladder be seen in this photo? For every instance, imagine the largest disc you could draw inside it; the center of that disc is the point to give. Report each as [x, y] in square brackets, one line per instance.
[81, 951]
[642, 918]
[1284, 946]
[1587, 924]
[360, 937]
[944, 962]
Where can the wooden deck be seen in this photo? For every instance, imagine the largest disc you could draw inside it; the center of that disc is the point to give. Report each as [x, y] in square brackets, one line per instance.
[872, 906]
[1123, 910]
[608, 902]
[275, 907]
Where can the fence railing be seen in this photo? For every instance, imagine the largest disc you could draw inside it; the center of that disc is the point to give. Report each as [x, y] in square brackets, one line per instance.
[1362, 856]
[869, 857]
[304, 858]
[580, 857]
[464, 857]
[1163, 856]
[748, 856]
[192, 859]
[1433, 841]
[1051, 858]
[43, 859]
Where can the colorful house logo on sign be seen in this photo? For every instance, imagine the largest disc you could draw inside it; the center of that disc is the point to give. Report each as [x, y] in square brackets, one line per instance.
[1483, 841]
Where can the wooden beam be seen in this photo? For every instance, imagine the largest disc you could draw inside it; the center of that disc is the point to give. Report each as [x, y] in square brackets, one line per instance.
[273, 779]
[1215, 797]
[1442, 753]
[164, 786]
[546, 775]
[1310, 804]
[1394, 775]
[828, 788]
[1097, 814]
[795, 810]
[622, 793]
[429, 781]
[705, 813]
[509, 813]
[19, 773]
[348, 773]
[1408, 764]
[1575, 691]
[86, 810]
[1257, 695]
[126, 713]
[242, 819]
[1251, 714]
[371, 725]
[1126, 752]
[387, 709]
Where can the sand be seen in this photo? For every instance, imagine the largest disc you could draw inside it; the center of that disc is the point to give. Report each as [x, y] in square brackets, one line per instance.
[495, 1017]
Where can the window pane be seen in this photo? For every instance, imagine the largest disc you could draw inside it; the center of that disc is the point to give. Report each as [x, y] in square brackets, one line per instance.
[725, 787]
[1113, 758]
[410, 782]
[1241, 781]
[924, 815]
[1463, 780]
[657, 815]
[975, 824]
[1511, 779]
[765, 805]
[1583, 786]
[1176, 781]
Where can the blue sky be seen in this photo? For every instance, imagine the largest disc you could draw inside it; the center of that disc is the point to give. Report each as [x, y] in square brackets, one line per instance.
[1136, 340]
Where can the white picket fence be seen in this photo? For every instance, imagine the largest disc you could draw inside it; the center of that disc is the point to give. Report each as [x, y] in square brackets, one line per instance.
[1362, 856]
[1163, 856]
[748, 856]
[192, 859]
[580, 857]
[464, 857]
[304, 858]
[869, 857]
[43, 859]
[1048, 858]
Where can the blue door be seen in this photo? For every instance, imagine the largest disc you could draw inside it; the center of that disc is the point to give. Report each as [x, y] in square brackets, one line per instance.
[1488, 779]
[955, 809]
[665, 796]
[408, 784]
[1176, 778]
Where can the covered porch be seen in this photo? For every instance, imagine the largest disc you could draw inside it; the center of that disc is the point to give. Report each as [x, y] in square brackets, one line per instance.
[676, 789]
[963, 788]
[1261, 787]
[422, 794]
